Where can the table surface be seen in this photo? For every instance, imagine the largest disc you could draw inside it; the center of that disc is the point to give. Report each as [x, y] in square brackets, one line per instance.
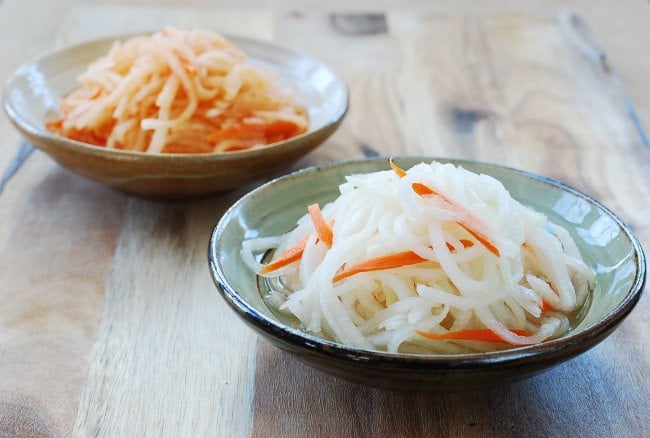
[110, 324]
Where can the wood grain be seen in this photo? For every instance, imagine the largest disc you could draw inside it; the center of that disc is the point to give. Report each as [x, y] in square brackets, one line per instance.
[299, 402]
[532, 93]
[90, 22]
[51, 286]
[371, 126]
[52, 326]
[168, 344]
[110, 325]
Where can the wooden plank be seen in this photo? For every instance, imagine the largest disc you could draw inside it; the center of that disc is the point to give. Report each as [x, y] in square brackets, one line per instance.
[367, 58]
[518, 91]
[528, 92]
[15, 51]
[166, 334]
[59, 315]
[98, 335]
[169, 357]
[52, 274]
[87, 22]
[296, 401]
[57, 239]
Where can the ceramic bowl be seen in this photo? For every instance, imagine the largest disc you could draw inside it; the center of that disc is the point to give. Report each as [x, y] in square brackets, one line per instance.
[36, 88]
[606, 243]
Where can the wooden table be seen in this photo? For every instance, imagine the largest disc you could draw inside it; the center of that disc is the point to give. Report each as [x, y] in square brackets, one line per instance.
[110, 324]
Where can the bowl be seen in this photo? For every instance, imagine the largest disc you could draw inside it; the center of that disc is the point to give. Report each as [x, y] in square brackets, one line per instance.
[37, 87]
[607, 245]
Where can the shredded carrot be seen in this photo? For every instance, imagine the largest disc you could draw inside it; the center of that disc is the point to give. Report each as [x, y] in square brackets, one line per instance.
[96, 93]
[323, 229]
[53, 125]
[481, 238]
[291, 255]
[485, 335]
[389, 262]
[265, 133]
[424, 190]
[465, 242]
[398, 170]
[189, 68]
[280, 130]
[379, 263]
[244, 131]
[545, 306]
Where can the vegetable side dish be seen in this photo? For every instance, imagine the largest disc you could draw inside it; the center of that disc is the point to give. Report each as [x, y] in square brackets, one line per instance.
[434, 259]
[178, 92]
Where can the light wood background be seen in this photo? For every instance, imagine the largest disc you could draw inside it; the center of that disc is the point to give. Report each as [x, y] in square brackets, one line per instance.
[110, 324]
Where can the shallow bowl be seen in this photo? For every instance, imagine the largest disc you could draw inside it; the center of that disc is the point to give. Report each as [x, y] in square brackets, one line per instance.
[36, 88]
[606, 243]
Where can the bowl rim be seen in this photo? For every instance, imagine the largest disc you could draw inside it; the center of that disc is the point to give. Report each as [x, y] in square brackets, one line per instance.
[128, 155]
[564, 346]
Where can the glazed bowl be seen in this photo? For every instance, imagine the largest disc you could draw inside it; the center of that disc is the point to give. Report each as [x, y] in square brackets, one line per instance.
[36, 88]
[606, 243]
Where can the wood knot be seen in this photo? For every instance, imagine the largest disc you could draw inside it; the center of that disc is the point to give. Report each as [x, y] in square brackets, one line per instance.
[359, 24]
[464, 120]
[368, 151]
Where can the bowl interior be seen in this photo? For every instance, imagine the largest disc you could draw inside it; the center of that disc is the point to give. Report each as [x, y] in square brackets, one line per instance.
[604, 241]
[35, 90]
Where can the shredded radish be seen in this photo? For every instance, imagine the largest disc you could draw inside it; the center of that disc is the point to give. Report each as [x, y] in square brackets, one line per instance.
[178, 91]
[434, 259]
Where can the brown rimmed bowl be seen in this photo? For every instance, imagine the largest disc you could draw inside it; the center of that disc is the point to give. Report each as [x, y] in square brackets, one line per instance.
[36, 88]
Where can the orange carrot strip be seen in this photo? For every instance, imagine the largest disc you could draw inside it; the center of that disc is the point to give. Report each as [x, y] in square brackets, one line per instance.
[189, 68]
[390, 261]
[54, 125]
[280, 130]
[323, 229]
[379, 263]
[424, 190]
[465, 242]
[481, 238]
[95, 93]
[258, 132]
[545, 306]
[486, 335]
[240, 131]
[398, 170]
[291, 255]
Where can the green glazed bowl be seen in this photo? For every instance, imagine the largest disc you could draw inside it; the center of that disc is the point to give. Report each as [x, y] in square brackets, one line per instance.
[607, 245]
[36, 88]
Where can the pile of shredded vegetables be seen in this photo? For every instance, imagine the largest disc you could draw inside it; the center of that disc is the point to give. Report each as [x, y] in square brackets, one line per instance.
[178, 92]
[435, 259]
